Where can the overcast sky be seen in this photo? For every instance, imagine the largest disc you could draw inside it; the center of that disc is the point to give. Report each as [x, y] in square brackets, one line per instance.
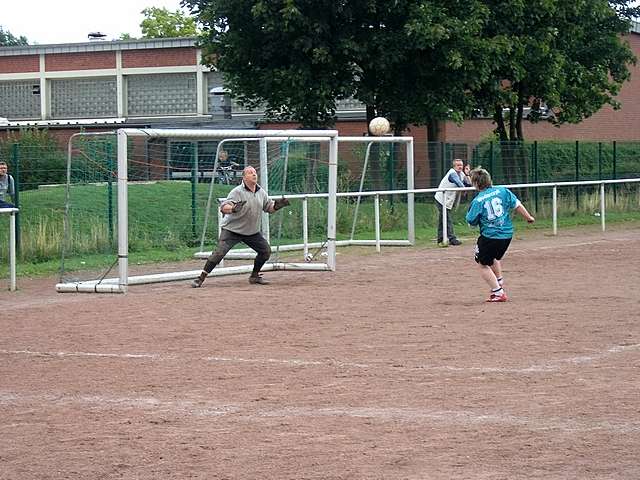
[69, 21]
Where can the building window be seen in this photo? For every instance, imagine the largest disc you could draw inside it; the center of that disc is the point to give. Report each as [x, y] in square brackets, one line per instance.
[84, 98]
[161, 94]
[18, 101]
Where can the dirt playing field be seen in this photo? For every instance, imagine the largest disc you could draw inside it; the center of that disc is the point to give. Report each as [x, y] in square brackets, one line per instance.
[392, 367]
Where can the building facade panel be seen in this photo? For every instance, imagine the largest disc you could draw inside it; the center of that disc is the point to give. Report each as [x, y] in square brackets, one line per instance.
[161, 94]
[20, 64]
[84, 98]
[159, 57]
[20, 100]
[57, 62]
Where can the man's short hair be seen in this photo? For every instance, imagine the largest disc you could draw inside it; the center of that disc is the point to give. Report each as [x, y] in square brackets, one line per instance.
[480, 178]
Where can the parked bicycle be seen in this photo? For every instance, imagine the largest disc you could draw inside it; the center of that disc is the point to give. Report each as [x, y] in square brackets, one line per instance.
[227, 174]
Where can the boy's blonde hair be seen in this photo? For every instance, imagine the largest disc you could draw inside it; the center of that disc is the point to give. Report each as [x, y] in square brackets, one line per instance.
[480, 178]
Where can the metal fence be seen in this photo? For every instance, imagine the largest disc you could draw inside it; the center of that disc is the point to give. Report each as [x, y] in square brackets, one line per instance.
[532, 162]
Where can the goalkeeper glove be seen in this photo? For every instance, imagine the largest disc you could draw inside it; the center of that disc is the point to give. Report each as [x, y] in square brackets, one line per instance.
[238, 206]
[280, 203]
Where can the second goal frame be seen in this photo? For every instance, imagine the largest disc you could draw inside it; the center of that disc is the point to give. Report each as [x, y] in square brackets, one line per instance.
[408, 142]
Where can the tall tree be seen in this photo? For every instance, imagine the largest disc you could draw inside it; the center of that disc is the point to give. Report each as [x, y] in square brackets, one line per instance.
[563, 60]
[433, 57]
[421, 61]
[290, 57]
[558, 61]
[162, 23]
[7, 39]
[296, 57]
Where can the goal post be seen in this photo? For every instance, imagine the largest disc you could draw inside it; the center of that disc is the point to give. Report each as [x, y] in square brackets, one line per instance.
[353, 187]
[124, 166]
[409, 185]
[12, 245]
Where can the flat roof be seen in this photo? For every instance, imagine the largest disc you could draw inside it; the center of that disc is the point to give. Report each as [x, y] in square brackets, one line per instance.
[99, 46]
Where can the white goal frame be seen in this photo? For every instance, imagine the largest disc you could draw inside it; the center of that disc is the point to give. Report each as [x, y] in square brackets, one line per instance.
[122, 282]
[378, 242]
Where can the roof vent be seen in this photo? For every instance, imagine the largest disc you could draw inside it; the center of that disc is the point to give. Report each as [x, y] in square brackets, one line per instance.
[97, 36]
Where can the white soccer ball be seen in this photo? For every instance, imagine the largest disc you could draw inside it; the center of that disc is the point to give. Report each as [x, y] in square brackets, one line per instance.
[308, 257]
[379, 126]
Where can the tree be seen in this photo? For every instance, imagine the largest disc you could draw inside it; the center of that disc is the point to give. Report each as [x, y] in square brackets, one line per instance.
[161, 23]
[559, 62]
[291, 59]
[564, 60]
[417, 63]
[297, 58]
[7, 39]
[432, 57]
[412, 61]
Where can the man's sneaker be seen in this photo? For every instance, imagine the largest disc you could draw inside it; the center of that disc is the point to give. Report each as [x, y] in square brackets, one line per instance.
[197, 283]
[501, 297]
[258, 280]
[455, 242]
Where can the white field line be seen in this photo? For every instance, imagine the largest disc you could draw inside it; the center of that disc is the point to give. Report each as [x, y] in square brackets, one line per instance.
[292, 362]
[151, 404]
[205, 408]
[551, 366]
[566, 245]
[80, 354]
[463, 417]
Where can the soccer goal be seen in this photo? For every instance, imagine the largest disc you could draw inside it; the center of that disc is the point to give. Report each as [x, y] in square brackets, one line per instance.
[373, 173]
[144, 189]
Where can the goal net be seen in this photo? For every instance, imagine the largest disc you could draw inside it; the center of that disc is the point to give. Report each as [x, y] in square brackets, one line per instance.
[370, 170]
[143, 196]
